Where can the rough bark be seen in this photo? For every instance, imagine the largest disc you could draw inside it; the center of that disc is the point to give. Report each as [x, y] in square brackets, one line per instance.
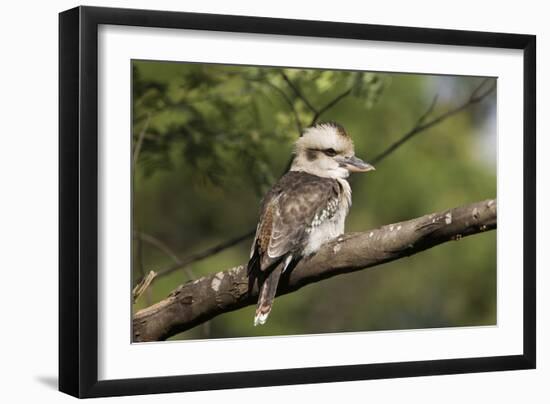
[195, 302]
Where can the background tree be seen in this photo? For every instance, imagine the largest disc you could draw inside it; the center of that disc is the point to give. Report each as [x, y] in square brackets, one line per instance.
[210, 139]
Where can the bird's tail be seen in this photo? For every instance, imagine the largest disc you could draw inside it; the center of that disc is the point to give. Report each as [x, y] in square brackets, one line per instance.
[267, 294]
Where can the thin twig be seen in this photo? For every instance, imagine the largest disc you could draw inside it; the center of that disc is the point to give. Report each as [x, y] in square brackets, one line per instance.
[159, 244]
[143, 285]
[140, 257]
[475, 94]
[420, 126]
[289, 102]
[139, 143]
[316, 112]
[137, 151]
[205, 254]
[329, 105]
[430, 109]
[166, 250]
[298, 93]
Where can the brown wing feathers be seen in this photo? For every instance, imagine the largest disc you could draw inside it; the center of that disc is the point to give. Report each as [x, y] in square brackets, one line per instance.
[287, 211]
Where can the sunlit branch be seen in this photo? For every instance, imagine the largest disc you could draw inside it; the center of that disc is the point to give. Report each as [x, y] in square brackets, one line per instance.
[195, 302]
[143, 285]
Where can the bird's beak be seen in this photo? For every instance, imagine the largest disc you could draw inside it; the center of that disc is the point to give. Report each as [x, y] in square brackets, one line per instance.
[356, 165]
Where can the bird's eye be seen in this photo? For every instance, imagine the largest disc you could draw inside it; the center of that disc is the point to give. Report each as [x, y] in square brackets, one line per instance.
[330, 152]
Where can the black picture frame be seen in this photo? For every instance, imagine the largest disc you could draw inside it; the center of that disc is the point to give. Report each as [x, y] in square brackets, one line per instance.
[78, 200]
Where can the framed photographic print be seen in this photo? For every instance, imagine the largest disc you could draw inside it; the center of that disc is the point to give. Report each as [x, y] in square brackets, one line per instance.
[251, 201]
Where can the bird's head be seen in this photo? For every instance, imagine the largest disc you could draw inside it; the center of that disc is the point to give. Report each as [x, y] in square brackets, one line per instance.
[326, 150]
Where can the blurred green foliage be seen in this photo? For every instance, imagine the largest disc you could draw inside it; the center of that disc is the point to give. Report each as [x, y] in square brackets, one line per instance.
[209, 140]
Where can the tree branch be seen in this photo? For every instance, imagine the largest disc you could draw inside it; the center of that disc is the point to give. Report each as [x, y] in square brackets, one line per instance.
[316, 112]
[160, 245]
[139, 142]
[143, 285]
[195, 302]
[298, 93]
[289, 103]
[204, 254]
[421, 125]
[329, 105]
[135, 158]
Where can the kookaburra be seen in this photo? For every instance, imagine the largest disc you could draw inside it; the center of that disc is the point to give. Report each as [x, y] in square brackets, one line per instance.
[306, 208]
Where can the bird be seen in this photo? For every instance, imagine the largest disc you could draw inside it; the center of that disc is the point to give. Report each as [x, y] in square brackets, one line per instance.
[304, 209]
